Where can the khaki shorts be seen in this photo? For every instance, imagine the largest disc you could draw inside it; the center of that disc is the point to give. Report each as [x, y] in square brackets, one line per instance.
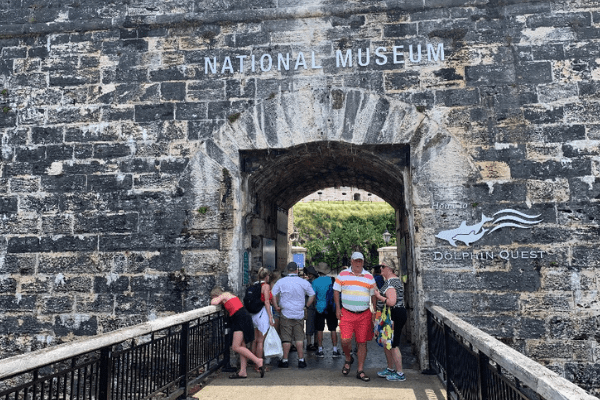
[292, 330]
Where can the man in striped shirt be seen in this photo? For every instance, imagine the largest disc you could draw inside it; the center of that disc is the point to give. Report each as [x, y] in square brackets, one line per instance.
[354, 293]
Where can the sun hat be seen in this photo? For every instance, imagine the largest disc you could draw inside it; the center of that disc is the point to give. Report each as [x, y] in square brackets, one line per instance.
[323, 268]
[310, 270]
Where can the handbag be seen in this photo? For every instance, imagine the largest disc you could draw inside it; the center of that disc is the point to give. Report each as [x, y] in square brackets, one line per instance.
[272, 346]
[383, 329]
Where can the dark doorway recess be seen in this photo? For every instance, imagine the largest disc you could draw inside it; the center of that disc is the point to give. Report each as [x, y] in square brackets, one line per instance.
[276, 179]
[282, 177]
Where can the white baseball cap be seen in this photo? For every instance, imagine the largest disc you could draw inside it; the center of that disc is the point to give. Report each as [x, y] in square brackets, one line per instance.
[357, 256]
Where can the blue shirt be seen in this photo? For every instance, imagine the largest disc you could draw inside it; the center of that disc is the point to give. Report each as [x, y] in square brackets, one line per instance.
[320, 286]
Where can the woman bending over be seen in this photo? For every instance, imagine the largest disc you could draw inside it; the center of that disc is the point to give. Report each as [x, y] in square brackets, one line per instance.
[243, 331]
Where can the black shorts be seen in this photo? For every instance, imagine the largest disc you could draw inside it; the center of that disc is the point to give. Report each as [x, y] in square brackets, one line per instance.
[320, 318]
[399, 317]
[242, 321]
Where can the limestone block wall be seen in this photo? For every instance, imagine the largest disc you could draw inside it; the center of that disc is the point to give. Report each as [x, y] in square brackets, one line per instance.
[122, 195]
[342, 194]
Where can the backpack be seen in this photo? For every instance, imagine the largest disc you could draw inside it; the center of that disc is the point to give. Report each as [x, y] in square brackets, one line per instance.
[330, 307]
[252, 300]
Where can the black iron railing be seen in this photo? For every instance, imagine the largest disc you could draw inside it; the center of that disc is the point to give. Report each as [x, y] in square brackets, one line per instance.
[160, 359]
[476, 366]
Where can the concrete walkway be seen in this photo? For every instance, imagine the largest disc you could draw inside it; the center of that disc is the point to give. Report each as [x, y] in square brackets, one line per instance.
[323, 379]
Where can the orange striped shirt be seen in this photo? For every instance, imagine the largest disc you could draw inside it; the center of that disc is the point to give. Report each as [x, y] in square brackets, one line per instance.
[355, 290]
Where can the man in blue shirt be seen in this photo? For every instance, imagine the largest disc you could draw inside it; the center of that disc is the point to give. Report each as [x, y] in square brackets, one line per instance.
[325, 311]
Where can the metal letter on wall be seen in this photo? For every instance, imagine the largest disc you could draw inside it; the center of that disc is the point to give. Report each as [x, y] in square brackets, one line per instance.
[269, 254]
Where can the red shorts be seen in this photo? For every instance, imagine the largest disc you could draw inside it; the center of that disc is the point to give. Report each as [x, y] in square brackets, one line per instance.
[360, 324]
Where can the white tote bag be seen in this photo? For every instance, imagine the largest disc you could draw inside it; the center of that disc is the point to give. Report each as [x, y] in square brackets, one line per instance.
[272, 346]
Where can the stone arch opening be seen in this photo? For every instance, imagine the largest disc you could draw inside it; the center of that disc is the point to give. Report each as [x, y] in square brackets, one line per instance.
[284, 176]
[292, 144]
[276, 179]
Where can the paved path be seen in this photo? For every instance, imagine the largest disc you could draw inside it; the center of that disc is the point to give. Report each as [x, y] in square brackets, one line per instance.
[323, 379]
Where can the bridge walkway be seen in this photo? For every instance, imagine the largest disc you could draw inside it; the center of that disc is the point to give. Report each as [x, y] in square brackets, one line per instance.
[323, 379]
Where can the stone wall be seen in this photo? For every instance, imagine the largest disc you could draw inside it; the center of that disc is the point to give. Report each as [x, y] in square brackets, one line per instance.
[342, 194]
[123, 196]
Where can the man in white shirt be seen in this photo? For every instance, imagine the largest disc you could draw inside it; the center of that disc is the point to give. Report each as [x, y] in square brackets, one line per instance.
[293, 291]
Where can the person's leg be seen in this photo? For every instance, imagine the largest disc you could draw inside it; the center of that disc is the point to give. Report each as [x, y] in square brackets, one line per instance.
[347, 347]
[399, 317]
[254, 342]
[239, 346]
[258, 343]
[389, 357]
[364, 333]
[286, 349]
[298, 336]
[346, 331]
[286, 340]
[319, 327]
[361, 355]
[299, 347]
[397, 358]
[332, 324]
[389, 370]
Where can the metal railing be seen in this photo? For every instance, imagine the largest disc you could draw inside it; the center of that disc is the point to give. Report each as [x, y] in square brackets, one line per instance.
[476, 366]
[158, 359]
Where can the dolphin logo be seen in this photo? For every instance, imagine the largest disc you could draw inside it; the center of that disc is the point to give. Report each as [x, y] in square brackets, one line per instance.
[469, 234]
[470, 238]
[465, 233]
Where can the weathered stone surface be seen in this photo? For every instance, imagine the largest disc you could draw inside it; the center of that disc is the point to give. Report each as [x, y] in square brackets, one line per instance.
[134, 177]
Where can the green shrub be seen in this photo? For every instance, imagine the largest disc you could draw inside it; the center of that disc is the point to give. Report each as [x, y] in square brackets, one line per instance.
[331, 231]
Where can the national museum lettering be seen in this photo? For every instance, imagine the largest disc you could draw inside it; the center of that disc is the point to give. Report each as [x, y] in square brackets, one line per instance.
[392, 56]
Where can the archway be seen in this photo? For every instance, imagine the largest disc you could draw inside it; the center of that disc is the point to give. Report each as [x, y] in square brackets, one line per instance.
[280, 149]
[276, 179]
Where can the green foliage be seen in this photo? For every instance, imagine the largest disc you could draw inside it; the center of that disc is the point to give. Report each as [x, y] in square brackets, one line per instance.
[331, 231]
[203, 210]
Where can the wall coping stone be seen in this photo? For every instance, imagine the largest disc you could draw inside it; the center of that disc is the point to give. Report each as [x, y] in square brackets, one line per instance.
[545, 382]
[18, 364]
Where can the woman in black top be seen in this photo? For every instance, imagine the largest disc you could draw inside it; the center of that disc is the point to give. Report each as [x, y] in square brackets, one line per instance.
[392, 294]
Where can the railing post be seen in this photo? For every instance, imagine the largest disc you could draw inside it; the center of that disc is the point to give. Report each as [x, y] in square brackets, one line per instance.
[482, 363]
[429, 336]
[447, 359]
[228, 340]
[183, 358]
[105, 379]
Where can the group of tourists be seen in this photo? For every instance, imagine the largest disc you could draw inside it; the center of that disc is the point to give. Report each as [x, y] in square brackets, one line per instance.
[351, 299]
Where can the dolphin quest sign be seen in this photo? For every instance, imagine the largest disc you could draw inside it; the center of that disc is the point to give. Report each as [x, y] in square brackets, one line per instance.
[507, 218]
[469, 234]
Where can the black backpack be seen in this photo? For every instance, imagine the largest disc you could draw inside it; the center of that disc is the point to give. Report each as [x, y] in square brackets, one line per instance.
[252, 300]
[330, 307]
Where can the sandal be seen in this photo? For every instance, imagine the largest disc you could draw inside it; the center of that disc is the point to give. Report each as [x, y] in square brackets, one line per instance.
[346, 370]
[266, 368]
[362, 376]
[237, 376]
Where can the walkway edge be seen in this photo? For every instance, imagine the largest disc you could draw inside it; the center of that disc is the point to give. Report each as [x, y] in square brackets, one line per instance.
[545, 382]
